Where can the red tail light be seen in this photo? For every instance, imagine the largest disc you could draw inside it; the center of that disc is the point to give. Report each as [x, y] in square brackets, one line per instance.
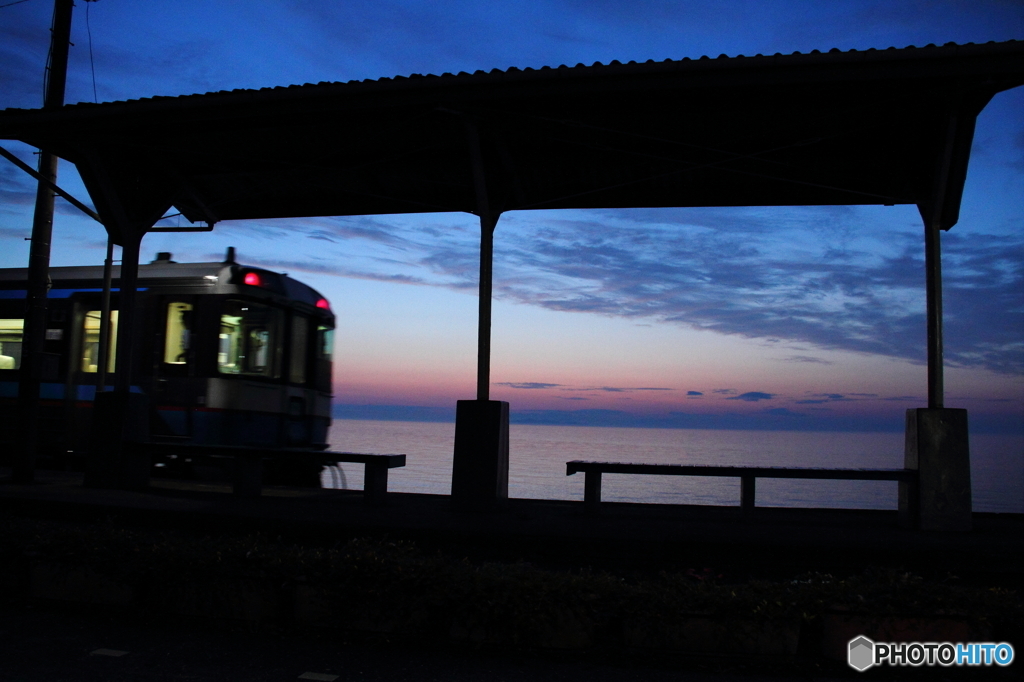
[323, 304]
[252, 279]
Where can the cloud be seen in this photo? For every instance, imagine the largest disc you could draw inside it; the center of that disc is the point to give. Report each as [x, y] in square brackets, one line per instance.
[753, 396]
[527, 384]
[648, 388]
[819, 398]
[694, 394]
[620, 389]
[807, 359]
[810, 279]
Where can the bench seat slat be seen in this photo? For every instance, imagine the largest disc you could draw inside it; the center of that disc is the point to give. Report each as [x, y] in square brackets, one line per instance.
[908, 479]
[740, 471]
[325, 456]
[249, 463]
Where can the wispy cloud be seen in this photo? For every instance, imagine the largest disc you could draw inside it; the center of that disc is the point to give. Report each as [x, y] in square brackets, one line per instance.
[820, 398]
[531, 385]
[753, 396]
[734, 272]
[808, 359]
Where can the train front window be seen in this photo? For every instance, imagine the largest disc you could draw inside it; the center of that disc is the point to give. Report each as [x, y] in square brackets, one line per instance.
[177, 333]
[250, 339]
[91, 341]
[10, 343]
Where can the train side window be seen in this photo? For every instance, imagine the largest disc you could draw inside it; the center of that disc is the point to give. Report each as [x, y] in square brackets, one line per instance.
[324, 351]
[325, 342]
[177, 333]
[250, 340]
[10, 343]
[300, 342]
[91, 341]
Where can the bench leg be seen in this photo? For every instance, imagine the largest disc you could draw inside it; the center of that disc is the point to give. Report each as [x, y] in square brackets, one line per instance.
[248, 480]
[375, 483]
[592, 490]
[747, 487]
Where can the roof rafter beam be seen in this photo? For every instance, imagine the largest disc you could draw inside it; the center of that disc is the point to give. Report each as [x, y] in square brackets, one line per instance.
[52, 185]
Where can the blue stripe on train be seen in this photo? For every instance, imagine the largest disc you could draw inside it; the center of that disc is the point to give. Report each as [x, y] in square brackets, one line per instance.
[59, 293]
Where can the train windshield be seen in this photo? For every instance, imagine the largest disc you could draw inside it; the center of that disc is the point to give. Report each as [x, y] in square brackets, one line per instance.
[10, 343]
[250, 339]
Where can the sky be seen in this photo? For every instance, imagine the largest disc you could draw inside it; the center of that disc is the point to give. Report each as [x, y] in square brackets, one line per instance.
[803, 318]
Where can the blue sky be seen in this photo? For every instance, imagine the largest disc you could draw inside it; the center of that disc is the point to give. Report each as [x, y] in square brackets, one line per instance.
[808, 317]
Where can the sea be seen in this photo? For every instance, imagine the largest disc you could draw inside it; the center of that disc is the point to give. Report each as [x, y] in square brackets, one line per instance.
[537, 457]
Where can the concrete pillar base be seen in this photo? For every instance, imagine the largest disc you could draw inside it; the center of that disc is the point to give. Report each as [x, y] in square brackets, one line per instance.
[480, 464]
[118, 422]
[937, 447]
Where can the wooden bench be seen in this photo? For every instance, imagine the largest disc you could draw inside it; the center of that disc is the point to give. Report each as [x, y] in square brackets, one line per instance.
[747, 475]
[247, 479]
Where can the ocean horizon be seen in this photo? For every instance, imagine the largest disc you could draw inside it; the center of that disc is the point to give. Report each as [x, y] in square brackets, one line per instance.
[766, 420]
[538, 453]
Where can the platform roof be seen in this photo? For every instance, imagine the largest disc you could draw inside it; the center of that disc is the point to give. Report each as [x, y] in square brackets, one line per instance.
[855, 127]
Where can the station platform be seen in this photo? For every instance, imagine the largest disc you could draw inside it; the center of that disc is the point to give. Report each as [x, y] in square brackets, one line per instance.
[767, 542]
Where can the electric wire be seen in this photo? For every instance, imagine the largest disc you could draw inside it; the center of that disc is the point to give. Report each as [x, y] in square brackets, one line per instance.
[49, 57]
[92, 64]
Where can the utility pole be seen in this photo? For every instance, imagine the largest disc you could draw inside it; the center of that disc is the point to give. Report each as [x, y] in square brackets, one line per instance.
[34, 334]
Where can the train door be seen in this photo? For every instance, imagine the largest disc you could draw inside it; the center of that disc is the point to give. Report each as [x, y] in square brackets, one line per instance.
[297, 423]
[249, 391]
[12, 323]
[87, 357]
[177, 388]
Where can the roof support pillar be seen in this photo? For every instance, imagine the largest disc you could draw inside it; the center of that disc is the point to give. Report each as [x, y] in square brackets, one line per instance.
[103, 357]
[940, 211]
[936, 438]
[121, 417]
[488, 221]
[35, 365]
[125, 345]
[483, 351]
[480, 462]
[933, 303]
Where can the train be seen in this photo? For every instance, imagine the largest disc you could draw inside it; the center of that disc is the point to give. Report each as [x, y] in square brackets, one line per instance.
[228, 354]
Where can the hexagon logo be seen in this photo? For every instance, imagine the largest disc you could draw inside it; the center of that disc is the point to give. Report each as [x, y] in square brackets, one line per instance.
[861, 653]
